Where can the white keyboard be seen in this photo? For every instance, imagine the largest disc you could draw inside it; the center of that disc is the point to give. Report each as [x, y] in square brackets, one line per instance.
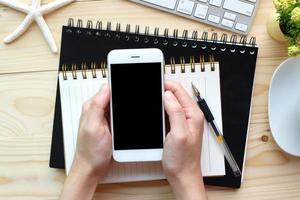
[233, 15]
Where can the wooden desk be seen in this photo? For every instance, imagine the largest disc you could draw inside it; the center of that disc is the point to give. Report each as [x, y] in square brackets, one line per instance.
[27, 94]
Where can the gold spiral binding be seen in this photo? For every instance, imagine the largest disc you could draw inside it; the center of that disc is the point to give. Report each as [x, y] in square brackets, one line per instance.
[93, 68]
[74, 71]
[193, 64]
[103, 68]
[202, 63]
[182, 64]
[83, 70]
[173, 65]
[212, 62]
[64, 71]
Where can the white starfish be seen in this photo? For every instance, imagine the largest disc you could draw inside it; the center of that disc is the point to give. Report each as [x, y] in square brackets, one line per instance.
[34, 12]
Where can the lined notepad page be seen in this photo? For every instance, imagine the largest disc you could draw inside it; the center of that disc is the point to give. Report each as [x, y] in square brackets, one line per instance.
[75, 92]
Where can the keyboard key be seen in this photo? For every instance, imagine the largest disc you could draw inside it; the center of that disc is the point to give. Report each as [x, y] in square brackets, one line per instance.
[230, 16]
[227, 23]
[241, 27]
[201, 11]
[239, 7]
[213, 18]
[216, 2]
[185, 6]
[170, 4]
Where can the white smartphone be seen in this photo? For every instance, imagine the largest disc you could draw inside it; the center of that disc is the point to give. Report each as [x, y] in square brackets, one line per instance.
[136, 79]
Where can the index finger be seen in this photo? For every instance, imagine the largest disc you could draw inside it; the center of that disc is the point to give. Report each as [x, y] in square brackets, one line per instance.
[181, 94]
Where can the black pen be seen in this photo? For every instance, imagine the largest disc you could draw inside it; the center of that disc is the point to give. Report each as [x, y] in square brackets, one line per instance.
[211, 120]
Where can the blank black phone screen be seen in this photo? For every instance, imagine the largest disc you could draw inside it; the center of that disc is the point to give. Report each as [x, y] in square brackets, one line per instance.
[137, 106]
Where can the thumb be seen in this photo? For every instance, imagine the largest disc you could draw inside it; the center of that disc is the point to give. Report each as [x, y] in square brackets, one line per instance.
[100, 102]
[176, 113]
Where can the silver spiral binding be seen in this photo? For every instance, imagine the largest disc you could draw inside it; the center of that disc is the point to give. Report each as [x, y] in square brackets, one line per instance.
[89, 26]
[118, 30]
[136, 32]
[175, 36]
[185, 38]
[233, 40]
[188, 41]
[98, 28]
[223, 41]
[127, 30]
[194, 38]
[166, 37]
[94, 68]
[192, 63]
[146, 38]
[108, 28]
[156, 34]
[79, 25]
[214, 39]
[204, 38]
[71, 22]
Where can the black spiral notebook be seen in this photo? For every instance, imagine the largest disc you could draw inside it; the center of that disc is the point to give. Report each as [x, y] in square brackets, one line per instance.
[87, 46]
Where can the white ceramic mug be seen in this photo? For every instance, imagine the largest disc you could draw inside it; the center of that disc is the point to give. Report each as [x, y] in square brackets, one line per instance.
[284, 106]
[297, 110]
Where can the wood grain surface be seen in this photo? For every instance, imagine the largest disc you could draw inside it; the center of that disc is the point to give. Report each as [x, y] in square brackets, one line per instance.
[28, 73]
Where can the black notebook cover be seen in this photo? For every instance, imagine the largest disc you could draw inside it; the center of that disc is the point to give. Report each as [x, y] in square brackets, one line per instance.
[236, 56]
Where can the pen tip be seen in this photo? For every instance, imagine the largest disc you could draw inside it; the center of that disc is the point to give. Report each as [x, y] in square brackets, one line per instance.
[195, 90]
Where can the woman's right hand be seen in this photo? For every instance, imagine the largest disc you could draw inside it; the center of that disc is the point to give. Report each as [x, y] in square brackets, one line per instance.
[182, 148]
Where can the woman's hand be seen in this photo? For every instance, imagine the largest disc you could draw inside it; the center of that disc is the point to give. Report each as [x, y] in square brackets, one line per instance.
[93, 149]
[182, 149]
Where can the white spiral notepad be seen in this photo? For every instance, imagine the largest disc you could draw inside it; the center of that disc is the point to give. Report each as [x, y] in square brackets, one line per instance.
[77, 86]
